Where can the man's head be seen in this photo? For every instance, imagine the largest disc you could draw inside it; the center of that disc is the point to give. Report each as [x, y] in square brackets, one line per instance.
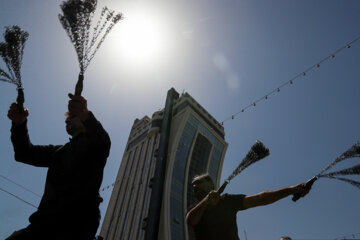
[74, 125]
[202, 185]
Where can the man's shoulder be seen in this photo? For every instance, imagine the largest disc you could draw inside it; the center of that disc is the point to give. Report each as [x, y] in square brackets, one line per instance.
[234, 200]
[233, 196]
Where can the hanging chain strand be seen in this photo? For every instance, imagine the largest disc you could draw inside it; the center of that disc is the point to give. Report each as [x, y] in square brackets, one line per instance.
[291, 81]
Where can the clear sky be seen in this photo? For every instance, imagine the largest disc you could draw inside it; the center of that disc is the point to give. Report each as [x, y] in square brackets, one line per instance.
[226, 54]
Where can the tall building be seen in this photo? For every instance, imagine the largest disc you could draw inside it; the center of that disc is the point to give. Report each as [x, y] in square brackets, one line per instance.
[153, 193]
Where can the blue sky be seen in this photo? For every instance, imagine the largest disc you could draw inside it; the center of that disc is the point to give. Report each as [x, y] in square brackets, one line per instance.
[226, 54]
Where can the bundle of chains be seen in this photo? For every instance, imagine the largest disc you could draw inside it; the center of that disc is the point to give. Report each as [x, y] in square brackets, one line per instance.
[11, 51]
[352, 152]
[76, 20]
[257, 152]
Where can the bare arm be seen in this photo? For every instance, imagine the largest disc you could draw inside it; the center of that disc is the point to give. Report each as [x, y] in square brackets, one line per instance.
[268, 197]
[194, 216]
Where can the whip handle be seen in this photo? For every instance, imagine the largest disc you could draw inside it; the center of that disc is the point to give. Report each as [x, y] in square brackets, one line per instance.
[222, 188]
[79, 85]
[20, 99]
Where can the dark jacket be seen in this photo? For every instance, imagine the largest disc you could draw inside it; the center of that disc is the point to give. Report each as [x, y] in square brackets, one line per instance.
[75, 172]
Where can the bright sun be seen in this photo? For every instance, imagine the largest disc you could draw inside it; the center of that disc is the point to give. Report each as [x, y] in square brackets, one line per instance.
[140, 37]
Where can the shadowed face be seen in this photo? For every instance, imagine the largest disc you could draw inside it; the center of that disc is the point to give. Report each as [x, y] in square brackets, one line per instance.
[74, 125]
[202, 187]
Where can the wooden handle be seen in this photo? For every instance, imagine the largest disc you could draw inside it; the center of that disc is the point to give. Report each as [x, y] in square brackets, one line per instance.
[20, 99]
[222, 188]
[79, 85]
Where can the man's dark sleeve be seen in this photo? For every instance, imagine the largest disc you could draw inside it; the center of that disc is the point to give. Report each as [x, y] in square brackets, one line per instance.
[97, 136]
[236, 201]
[25, 151]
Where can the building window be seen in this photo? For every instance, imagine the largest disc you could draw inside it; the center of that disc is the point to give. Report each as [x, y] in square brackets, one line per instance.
[198, 163]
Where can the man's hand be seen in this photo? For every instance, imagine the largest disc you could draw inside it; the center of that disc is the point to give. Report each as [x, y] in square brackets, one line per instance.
[301, 189]
[16, 115]
[78, 106]
[269, 197]
[195, 214]
[212, 198]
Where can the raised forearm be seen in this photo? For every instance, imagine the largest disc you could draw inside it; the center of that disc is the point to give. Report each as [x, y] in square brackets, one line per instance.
[194, 216]
[19, 137]
[268, 197]
[96, 133]
[25, 151]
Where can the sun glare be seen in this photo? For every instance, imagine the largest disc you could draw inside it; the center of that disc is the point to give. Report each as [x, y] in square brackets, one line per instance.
[140, 38]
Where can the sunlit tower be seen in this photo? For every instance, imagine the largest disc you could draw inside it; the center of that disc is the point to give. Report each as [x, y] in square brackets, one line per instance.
[153, 192]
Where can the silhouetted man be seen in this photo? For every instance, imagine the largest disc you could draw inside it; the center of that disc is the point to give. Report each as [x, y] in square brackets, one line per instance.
[69, 208]
[214, 217]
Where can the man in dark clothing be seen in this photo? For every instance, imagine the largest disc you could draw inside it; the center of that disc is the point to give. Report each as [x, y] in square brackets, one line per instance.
[214, 217]
[69, 208]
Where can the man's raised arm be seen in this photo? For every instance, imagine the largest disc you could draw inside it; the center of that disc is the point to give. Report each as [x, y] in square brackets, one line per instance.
[97, 135]
[268, 197]
[25, 151]
[195, 214]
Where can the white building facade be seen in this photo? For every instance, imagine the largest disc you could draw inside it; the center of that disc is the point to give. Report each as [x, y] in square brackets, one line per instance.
[194, 145]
